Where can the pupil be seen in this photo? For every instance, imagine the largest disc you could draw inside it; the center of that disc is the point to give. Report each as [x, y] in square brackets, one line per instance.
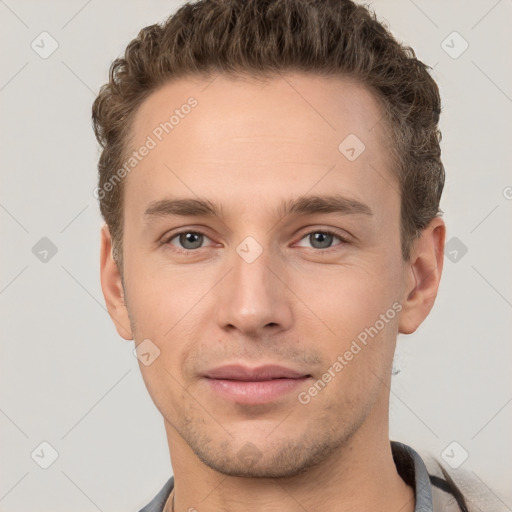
[324, 239]
[193, 239]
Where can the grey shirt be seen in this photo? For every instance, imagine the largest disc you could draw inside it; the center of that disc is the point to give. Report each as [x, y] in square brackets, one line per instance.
[410, 466]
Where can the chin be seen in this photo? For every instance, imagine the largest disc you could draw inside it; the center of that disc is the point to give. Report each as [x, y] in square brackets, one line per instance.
[287, 459]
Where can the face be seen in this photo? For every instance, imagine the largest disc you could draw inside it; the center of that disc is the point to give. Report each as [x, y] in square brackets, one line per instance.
[262, 262]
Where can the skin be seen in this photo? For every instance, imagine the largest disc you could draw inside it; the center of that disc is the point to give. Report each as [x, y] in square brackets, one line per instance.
[247, 146]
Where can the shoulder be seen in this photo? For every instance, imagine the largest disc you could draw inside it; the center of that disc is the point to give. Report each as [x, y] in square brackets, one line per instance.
[157, 504]
[478, 496]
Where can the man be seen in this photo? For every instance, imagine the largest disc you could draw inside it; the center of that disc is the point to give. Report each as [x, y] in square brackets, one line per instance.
[270, 179]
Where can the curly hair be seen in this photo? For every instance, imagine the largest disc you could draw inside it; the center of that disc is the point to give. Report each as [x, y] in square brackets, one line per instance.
[263, 38]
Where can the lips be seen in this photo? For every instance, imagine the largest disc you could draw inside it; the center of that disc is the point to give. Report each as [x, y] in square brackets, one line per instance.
[244, 385]
[269, 372]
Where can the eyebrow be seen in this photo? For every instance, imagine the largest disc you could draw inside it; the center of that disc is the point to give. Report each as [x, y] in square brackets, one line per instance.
[305, 205]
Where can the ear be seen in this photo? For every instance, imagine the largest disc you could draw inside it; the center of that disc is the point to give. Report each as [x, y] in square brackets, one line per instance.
[423, 274]
[112, 287]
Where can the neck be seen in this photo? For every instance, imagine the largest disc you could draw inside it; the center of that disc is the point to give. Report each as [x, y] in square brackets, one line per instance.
[357, 477]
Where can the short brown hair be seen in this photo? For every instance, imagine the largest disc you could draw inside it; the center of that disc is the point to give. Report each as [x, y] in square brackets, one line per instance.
[263, 38]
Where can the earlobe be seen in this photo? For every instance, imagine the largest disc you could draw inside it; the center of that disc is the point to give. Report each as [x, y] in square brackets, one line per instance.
[112, 287]
[423, 276]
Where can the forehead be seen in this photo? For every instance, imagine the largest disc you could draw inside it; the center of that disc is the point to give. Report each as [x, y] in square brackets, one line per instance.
[272, 136]
[321, 110]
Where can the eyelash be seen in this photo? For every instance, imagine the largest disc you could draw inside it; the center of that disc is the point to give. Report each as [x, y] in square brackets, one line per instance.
[328, 250]
[343, 241]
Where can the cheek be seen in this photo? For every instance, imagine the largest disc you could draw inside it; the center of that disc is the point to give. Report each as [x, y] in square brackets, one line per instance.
[149, 306]
[173, 309]
[355, 341]
[160, 297]
[353, 320]
[343, 300]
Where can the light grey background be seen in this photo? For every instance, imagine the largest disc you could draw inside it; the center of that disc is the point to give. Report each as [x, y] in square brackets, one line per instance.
[68, 379]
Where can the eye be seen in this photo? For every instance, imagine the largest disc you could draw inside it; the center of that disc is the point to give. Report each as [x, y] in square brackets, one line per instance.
[188, 240]
[191, 240]
[322, 239]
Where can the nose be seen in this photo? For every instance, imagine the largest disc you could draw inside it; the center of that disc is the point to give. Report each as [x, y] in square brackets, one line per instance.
[254, 298]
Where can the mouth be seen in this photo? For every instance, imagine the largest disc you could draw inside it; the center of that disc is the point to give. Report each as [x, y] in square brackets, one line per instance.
[260, 385]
